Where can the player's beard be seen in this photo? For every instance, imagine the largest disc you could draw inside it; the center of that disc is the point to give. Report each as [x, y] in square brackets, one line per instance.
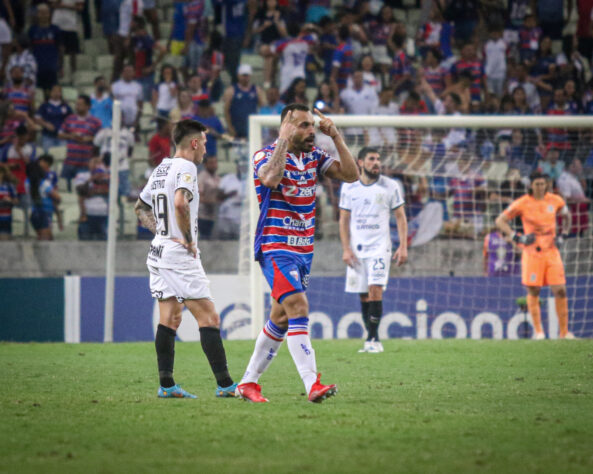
[371, 174]
[304, 145]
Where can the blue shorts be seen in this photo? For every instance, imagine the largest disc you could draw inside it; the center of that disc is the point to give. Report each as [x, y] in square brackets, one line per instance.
[286, 273]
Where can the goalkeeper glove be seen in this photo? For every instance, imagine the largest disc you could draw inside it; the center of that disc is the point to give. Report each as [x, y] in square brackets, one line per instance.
[523, 239]
[560, 239]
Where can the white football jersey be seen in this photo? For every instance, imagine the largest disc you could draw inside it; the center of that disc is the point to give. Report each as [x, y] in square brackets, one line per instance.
[159, 193]
[370, 210]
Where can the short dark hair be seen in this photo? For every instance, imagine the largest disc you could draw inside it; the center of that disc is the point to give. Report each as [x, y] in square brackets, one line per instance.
[98, 78]
[291, 107]
[455, 98]
[21, 130]
[49, 159]
[538, 175]
[365, 150]
[86, 99]
[185, 128]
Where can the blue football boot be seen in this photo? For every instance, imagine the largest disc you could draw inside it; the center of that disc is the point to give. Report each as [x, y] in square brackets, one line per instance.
[174, 392]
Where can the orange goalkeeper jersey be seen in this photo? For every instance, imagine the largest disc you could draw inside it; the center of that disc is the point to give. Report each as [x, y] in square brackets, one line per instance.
[539, 218]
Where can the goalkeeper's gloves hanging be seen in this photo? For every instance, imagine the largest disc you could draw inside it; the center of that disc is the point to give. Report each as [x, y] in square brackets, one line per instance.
[560, 239]
[519, 238]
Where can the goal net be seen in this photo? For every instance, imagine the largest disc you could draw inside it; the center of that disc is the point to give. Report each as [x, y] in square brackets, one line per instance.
[458, 173]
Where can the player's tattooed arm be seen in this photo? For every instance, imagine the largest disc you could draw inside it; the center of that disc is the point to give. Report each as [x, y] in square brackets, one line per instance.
[272, 172]
[145, 215]
[182, 215]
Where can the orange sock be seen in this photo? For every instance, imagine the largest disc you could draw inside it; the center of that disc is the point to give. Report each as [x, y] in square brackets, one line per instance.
[535, 311]
[562, 312]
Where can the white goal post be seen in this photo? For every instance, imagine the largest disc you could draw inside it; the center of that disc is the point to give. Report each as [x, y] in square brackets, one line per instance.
[257, 123]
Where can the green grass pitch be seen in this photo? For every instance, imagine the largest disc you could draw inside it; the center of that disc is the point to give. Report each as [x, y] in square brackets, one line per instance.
[422, 406]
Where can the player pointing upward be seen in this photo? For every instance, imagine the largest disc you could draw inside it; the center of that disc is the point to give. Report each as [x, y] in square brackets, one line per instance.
[541, 263]
[365, 208]
[286, 177]
[168, 206]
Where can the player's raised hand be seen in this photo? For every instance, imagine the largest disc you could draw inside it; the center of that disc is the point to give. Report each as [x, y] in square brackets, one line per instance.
[288, 127]
[326, 125]
[400, 256]
[349, 258]
[189, 246]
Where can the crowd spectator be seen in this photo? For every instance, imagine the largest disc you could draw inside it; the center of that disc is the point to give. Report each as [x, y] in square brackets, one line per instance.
[495, 66]
[7, 20]
[208, 184]
[21, 95]
[125, 147]
[211, 65]
[327, 100]
[159, 146]
[342, 60]
[296, 92]
[65, 17]
[128, 10]
[22, 57]
[293, 51]
[46, 46]
[164, 95]
[129, 92]
[92, 187]
[571, 185]
[359, 99]
[196, 28]
[205, 115]
[8, 199]
[50, 116]
[79, 130]
[241, 100]
[234, 21]
[185, 106]
[101, 102]
[269, 26]
[44, 196]
[142, 47]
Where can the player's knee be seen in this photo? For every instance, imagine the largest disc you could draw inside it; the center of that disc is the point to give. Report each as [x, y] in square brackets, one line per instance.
[533, 291]
[560, 292]
[175, 320]
[296, 306]
[375, 293]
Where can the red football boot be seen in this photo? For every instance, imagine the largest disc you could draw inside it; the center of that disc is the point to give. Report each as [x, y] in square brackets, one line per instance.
[251, 392]
[320, 392]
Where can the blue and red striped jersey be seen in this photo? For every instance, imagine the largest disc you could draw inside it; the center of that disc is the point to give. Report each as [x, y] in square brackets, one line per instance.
[77, 153]
[401, 65]
[476, 69]
[343, 60]
[21, 97]
[287, 213]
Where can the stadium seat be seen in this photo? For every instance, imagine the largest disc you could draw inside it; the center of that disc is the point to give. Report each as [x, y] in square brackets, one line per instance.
[174, 60]
[85, 61]
[226, 167]
[70, 94]
[39, 96]
[104, 62]
[58, 152]
[138, 166]
[255, 60]
[96, 46]
[147, 109]
[165, 28]
[311, 93]
[84, 78]
[497, 170]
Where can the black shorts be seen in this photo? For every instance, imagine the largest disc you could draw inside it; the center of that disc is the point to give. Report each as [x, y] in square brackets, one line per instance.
[6, 226]
[39, 218]
[70, 41]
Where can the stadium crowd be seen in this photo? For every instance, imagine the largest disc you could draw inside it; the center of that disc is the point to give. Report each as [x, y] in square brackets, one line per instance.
[221, 60]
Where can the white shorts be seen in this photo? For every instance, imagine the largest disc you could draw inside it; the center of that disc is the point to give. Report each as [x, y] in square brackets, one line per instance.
[5, 32]
[368, 271]
[183, 284]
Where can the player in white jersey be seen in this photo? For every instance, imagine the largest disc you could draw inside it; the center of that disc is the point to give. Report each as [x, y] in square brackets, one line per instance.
[168, 206]
[365, 210]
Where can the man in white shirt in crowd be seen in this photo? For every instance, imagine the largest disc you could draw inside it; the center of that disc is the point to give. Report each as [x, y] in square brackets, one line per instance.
[232, 190]
[65, 17]
[129, 92]
[365, 211]
[359, 100]
[384, 136]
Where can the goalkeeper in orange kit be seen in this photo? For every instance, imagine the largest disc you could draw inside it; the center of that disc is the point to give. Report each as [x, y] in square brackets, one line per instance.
[541, 263]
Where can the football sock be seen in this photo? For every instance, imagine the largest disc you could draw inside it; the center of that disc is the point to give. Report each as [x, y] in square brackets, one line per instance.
[364, 306]
[375, 313]
[214, 350]
[303, 355]
[535, 312]
[164, 344]
[266, 348]
[562, 312]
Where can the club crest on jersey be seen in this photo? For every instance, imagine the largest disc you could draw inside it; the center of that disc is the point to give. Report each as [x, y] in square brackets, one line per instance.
[260, 155]
[379, 199]
[294, 274]
[550, 208]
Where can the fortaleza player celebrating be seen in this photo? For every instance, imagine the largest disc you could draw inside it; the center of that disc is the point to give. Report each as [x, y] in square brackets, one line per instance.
[168, 206]
[541, 263]
[286, 177]
[365, 209]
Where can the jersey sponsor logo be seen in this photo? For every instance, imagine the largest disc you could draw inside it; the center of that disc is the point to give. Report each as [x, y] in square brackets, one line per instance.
[260, 155]
[296, 224]
[162, 170]
[301, 192]
[156, 251]
[294, 274]
[299, 241]
[157, 184]
[550, 208]
[367, 226]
